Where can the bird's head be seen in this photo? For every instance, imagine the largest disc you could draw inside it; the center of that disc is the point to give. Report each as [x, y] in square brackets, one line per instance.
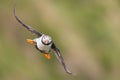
[46, 40]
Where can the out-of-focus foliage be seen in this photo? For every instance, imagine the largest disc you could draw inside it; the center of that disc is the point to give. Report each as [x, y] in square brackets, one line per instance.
[86, 31]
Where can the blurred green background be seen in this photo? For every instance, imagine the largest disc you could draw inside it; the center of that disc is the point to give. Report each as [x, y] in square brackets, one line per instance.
[86, 31]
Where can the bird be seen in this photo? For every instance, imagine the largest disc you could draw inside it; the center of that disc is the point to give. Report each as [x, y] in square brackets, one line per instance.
[43, 43]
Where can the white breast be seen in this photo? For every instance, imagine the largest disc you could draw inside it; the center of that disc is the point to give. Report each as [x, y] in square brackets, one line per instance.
[41, 46]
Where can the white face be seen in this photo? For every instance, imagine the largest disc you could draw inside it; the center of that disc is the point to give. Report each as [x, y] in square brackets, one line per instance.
[46, 39]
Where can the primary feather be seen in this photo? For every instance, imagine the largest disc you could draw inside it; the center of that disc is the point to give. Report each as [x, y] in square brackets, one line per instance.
[25, 25]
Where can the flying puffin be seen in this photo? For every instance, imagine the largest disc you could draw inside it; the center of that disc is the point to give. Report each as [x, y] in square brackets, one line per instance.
[43, 43]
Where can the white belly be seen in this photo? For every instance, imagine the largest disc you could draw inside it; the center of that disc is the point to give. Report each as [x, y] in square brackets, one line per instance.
[41, 46]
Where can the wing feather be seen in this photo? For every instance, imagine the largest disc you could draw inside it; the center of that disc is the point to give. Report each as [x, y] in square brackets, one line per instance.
[60, 58]
[25, 25]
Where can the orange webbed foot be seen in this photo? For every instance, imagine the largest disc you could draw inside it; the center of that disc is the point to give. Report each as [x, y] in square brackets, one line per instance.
[30, 41]
[47, 55]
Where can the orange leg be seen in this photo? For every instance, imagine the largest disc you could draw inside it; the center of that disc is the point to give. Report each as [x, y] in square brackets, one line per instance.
[47, 55]
[30, 41]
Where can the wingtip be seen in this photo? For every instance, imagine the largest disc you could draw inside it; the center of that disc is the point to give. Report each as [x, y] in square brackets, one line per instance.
[69, 72]
[14, 10]
[72, 74]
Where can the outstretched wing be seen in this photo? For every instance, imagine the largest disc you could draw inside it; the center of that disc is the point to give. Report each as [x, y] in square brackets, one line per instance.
[60, 58]
[25, 25]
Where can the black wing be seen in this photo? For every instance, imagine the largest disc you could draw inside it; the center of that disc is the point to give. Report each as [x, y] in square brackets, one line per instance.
[60, 58]
[25, 25]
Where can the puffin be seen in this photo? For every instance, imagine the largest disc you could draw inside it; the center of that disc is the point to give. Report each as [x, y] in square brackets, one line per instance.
[43, 43]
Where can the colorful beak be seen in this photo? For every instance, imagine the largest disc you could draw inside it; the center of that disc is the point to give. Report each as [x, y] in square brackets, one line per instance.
[47, 55]
[46, 41]
[30, 41]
